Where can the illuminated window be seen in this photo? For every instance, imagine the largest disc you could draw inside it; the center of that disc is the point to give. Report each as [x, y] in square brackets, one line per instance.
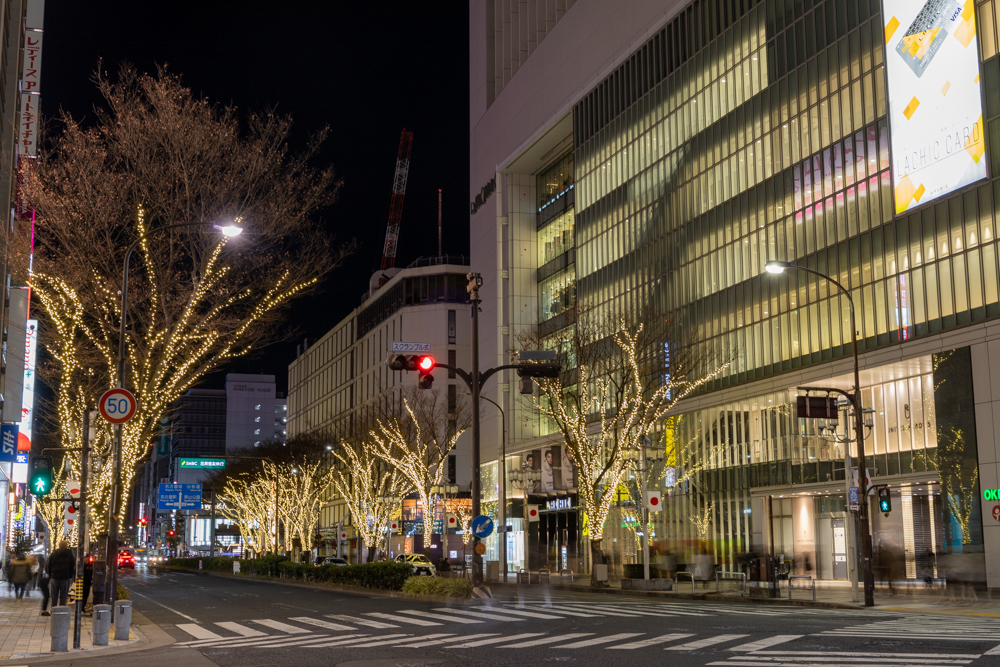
[257, 407]
[256, 419]
[256, 432]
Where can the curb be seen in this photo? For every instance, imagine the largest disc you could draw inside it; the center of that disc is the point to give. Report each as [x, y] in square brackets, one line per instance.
[149, 634]
[703, 597]
[330, 588]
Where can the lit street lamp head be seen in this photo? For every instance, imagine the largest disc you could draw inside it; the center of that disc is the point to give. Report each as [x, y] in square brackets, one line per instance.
[776, 266]
[230, 230]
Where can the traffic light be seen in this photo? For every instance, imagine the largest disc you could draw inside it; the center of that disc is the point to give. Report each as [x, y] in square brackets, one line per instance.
[425, 364]
[41, 475]
[422, 363]
[884, 501]
[142, 521]
[171, 532]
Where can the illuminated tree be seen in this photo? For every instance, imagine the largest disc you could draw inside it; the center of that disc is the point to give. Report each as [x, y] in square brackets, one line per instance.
[415, 438]
[462, 509]
[248, 499]
[626, 381]
[370, 487]
[156, 155]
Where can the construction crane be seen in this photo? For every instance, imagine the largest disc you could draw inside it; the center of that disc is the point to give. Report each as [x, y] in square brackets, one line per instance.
[396, 203]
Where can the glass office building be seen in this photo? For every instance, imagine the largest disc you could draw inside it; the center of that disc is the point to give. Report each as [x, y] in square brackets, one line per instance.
[742, 132]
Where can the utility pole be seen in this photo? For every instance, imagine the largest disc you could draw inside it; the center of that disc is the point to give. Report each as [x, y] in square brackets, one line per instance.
[211, 532]
[475, 282]
[81, 526]
[440, 254]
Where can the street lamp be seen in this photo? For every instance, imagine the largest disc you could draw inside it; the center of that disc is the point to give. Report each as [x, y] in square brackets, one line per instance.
[525, 479]
[777, 267]
[228, 230]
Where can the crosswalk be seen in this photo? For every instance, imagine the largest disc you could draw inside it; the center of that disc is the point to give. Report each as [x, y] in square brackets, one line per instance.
[726, 649]
[925, 627]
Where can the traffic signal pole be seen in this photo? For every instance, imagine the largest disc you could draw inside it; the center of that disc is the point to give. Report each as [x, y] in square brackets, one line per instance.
[477, 482]
[81, 527]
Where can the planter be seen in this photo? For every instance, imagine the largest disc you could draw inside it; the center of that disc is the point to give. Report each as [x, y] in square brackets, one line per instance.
[648, 585]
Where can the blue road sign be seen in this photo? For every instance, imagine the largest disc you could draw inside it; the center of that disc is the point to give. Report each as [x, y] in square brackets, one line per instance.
[8, 442]
[482, 526]
[179, 497]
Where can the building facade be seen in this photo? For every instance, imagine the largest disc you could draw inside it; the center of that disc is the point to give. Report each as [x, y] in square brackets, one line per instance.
[254, 411]
[652, 156]
[339, 379]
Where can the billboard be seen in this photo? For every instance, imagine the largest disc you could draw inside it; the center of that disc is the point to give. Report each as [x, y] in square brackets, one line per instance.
[28, 391]
[935, 103]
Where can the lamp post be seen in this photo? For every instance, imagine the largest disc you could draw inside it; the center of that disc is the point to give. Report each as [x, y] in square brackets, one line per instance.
[112, 547]
[525, 479]
[502, 490]
[778, 267]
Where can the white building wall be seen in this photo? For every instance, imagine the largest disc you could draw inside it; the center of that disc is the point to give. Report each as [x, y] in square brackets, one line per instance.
[249, 410]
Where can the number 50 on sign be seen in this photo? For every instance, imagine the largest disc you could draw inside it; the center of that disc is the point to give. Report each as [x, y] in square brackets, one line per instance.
[117, 406]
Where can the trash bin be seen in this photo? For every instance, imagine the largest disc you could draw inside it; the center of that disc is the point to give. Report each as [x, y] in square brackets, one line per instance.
[97, 586]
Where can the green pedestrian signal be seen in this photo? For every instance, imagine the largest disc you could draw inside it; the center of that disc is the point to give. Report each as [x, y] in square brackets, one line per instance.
[40, 481]
[884, 501]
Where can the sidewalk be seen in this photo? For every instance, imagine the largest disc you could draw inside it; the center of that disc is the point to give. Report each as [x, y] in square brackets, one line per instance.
[24, 633]
[953, 600]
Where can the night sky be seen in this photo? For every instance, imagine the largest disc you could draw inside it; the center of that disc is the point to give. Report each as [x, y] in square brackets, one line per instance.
[366, 69]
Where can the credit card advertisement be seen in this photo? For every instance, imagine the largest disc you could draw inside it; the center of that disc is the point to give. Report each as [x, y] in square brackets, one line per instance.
[935, 104]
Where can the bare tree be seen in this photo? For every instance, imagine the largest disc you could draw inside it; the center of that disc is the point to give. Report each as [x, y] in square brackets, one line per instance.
[415, 434]
[156, 156]
[622, 379]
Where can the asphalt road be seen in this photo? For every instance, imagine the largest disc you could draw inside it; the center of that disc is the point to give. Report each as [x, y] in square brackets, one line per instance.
[241, 623]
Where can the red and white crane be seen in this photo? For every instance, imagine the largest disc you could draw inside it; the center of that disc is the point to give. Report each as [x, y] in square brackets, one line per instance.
[396, 203]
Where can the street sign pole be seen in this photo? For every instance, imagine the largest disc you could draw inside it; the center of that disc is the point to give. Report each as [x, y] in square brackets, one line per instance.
[117, 406]
[81, 527]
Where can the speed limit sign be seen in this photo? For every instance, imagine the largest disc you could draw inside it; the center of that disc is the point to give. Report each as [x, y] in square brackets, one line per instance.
[117, 405]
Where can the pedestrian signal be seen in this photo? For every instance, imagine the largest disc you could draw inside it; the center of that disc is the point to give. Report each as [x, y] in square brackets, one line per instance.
[884, 501]
[40, 480]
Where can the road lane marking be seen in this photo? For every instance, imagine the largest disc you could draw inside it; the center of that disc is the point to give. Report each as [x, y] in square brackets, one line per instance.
[497, 640]
[438, 642]
[993, 651]
[519, 612]
[362, 621]
[548, 640]
[190, 618]
[437, 617]
[702, 643]
[764, 643]
[241, 630]
[652, 641]
[570, 612]
[197, 631]
[479, 614]
[348, 642]
[387, 642]
[283, 627]
[411, 621]
[599, 640]
[319, 623]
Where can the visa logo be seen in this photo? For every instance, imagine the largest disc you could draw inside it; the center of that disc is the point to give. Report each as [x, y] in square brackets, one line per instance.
[9, 442]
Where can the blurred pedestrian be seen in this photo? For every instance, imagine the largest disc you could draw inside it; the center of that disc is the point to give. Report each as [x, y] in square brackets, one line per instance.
[20, 574]
[43, 584]
[62, 570]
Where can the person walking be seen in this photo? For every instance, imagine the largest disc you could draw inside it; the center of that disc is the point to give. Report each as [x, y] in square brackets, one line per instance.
[43, 584]
[62, 569]
[20, 574]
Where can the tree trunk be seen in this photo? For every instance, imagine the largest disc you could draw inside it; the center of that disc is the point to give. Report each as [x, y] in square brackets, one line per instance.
[596, 557]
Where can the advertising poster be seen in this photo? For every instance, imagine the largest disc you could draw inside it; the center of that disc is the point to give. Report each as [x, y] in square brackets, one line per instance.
[935, 104]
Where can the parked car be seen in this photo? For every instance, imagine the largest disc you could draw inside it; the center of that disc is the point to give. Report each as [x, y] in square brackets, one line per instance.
[333, 560]
[422, 565]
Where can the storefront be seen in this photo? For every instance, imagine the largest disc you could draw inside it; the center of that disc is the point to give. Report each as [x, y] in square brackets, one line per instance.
[767, 482]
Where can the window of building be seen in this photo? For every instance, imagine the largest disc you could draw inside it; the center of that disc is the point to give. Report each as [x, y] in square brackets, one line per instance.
[557, 294]
[556, 238]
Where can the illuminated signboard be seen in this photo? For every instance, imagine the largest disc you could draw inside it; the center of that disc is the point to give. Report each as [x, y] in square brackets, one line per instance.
[991, 494]
[935, 104]
[203, 463]
[28, 392]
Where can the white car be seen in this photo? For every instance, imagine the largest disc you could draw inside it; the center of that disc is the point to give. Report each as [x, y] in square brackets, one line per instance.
[422, 565]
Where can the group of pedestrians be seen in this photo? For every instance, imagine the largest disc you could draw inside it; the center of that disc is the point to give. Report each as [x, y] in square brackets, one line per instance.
[53, 576]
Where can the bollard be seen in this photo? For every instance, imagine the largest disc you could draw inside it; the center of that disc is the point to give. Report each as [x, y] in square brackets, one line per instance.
[102, 624]
[59, 629]
[123, 619]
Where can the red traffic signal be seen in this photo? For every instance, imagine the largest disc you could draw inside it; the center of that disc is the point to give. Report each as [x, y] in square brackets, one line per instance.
[142, 521]
[170, 533]
[425, 363]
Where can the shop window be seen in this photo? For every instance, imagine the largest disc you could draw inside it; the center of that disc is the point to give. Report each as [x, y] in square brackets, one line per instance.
[557, 294]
